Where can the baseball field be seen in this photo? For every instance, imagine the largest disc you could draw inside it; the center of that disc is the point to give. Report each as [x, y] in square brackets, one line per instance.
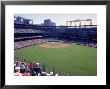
[72, 59]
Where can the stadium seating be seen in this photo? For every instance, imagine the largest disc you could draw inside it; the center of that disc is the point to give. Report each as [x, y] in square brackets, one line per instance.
[31, 35]
[23, 68]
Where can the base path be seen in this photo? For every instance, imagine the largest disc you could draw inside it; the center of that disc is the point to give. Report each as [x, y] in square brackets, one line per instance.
[62, 45]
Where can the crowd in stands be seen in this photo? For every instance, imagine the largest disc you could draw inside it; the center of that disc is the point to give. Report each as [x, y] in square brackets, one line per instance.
[21, 44]
[27, 31]
[75, 31]
[23, 68]
[83, 33]
[85, 43]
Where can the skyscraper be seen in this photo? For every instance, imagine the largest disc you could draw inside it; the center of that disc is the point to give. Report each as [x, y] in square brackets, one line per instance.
[48, 22]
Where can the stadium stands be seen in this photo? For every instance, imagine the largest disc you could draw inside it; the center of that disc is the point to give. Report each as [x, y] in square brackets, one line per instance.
[21, 44]
[27, 35]
[23, 68]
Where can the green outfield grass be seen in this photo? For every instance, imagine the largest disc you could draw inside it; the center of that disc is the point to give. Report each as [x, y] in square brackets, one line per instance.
[75, 60]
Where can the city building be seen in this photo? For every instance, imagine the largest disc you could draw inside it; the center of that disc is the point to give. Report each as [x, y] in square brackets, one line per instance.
[48, 22]
[21, 20]
[53, 24]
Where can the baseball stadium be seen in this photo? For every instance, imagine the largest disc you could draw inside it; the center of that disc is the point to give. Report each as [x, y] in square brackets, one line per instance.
[50, 50]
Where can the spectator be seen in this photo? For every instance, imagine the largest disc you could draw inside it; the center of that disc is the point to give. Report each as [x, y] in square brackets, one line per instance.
[26, 73]
[17, 73]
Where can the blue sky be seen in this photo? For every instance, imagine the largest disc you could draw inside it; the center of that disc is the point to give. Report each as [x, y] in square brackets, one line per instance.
[59, 19]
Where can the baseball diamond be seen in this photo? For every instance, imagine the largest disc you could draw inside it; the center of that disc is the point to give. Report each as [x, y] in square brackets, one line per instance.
[41, 50]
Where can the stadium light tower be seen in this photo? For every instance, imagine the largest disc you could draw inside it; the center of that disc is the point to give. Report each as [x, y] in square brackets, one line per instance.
[69, 23]
[77, 21]
[88, 20]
